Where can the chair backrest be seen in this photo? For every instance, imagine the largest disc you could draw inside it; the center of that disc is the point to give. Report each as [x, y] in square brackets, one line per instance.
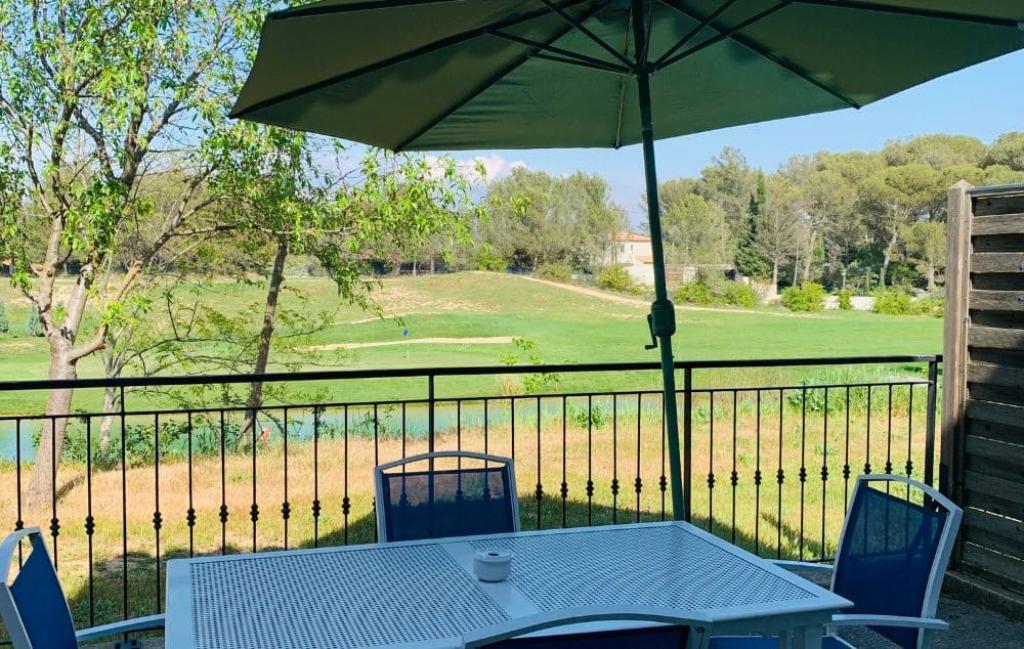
[894, 550]
[673, 630]
[33, 607]
[473, 493]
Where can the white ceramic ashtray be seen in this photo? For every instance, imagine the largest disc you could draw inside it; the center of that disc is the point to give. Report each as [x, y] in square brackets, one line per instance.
[492, 565]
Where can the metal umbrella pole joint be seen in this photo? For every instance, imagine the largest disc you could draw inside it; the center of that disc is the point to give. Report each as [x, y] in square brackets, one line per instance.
[662, 319]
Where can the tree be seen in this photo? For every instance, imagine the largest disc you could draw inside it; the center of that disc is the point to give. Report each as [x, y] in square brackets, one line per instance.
[695, 230]
[926, 246]
[5, 324]
[894, 197]
[95, 97]
[781, 223]
[1008, 150]
[34, 326]
[730, 181]
[750, 259]
[936, 151]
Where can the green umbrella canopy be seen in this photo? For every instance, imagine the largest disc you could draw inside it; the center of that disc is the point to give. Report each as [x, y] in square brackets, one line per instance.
[481, 74]
[513, 74]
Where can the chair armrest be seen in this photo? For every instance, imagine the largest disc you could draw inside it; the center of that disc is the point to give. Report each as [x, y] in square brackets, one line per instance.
[146, 623]
[930, 624]
[805, 565]
[7, 547]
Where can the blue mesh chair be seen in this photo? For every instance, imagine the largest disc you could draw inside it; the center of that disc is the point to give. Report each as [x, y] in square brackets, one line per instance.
[33, 607]
[589, 628]
[891, 561]
[473, 494]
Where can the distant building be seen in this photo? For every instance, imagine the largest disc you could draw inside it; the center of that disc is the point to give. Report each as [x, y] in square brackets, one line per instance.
[633, 251]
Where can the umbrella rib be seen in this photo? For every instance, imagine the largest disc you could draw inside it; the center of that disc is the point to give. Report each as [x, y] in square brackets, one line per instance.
[320, 10]
[912, 11]
[454, 39]
[487, 83]
[603, 67]
[578, 24]
[622, 91]
[693, 32]
[722, 35]
[767, 54]
[580, 58]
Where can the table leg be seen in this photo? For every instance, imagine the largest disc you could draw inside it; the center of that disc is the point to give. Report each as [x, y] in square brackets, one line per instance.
[808, 637]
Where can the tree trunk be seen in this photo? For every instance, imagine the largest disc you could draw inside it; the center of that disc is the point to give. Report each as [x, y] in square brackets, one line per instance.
[890, 248]
[109, 404]
[775, 275]
[809, 257]
[931, 276]
[266, 334]
[51, 437]
[843, 275]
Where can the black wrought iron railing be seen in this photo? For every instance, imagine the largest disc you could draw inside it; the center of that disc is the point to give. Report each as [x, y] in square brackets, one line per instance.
[182, 466]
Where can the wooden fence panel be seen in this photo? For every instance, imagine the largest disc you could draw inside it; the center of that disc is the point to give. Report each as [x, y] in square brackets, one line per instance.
[982, 465]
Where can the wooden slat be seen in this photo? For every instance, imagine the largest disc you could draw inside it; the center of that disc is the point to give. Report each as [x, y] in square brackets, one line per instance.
[995, 337]
[994, 504]
[997, 413]
[997, 300]
[1011, 377]
[999, 204]
[999, 224]
[996, 450]
[1000, 432]
[997, 262]
[999, 243]
[996, 532]
[994, 563]
[995, 468]
[1007, 490]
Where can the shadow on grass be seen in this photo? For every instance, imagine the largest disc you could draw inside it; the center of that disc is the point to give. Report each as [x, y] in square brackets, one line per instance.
[104, 602]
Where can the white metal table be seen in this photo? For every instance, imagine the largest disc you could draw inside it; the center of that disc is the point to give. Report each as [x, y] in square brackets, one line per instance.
[424, 594]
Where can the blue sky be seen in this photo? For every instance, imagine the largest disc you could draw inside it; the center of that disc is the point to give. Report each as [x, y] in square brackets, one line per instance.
[982, 101]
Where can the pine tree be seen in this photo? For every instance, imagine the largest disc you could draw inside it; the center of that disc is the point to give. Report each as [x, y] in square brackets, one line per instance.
[34, 327]
[5, 324]
[749, 259]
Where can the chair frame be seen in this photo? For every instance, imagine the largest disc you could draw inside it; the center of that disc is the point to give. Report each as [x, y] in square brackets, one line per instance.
[926, 621]
[699, 625]
[378, 481]
[12, 617]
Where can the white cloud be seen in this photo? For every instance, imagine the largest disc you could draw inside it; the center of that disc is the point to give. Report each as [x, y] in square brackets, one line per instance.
[494, 166]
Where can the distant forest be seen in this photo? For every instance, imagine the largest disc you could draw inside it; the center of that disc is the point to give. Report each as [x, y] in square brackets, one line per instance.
[855, 220]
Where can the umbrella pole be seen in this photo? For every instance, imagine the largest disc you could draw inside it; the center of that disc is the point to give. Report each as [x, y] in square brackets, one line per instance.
[663, 316]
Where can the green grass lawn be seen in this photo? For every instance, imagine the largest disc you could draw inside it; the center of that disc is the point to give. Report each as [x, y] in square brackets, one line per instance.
[565, 326]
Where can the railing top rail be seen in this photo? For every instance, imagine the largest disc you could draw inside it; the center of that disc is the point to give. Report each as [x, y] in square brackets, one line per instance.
[992, 190]
[425, 372]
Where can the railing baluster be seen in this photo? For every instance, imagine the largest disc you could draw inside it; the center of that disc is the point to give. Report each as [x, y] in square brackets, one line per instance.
[346, 502]
[734, 477]
[757, 473]
[867, 437]
[780, 477]
[539, 494]
[254, 510]
[615, 459]
[803, 465]
[90, 522]
[662, 480]
[190, 514]
[711, 460]
[124, 507]
[590, 460]
[486, 426]
[565, 485]
[286, 508]
[316, 470]
[54, 519]
[223, 485]
[929, 434]
[19, 524]
[888, 435]
[824, 476]
[687, 451]
[376, 461]
[846, 461]
[157, 517]
[638, 484]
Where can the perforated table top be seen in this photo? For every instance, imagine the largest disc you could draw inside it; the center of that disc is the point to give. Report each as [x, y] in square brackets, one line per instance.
[424, 594]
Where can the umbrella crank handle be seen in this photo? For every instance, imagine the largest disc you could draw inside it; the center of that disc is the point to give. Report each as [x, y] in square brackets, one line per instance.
[654, 338]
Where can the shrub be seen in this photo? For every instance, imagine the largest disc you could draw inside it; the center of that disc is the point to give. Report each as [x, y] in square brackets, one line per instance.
[555, 272]
[5, 324]
[740, 294]
[487, 260]
[722, 292]
[845, 300]
[810, 296]
[893, 301]
[694, 293]
[34, 327]
[935, 306]
[617, 278]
